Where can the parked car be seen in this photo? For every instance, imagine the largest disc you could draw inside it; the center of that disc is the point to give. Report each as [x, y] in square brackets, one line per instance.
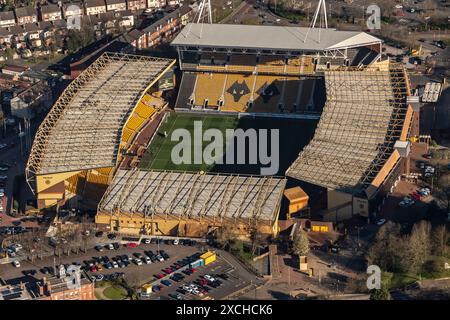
[381, 221]
[176, 242]
[99, 248]
[147, 260]
[111, 236]
[16, 264]
[147, 241]
[132, 245]
[208, 277]
[166, 283]
[138, 262]
[115, 264]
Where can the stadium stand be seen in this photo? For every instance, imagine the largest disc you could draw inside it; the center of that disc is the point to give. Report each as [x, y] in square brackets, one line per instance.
[362, 119]
[203, 199]
[237, 93]
[86, 130]
[209, 87]
[266, 94]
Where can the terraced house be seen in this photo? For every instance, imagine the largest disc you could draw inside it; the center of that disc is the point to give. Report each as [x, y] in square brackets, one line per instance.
[26, 15]
[51, 12]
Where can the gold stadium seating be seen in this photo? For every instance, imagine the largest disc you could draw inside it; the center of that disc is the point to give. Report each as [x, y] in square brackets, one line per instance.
[134, 122]
[75, 184]
[238, 87]
[144, 111]
[126, 134]
[209, 87]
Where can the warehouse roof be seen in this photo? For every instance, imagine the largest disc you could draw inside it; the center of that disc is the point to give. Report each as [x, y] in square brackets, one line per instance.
[193, 194]
[83, 129]
[269, 37]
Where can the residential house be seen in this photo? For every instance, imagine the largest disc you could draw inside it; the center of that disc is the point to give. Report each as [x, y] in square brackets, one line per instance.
[116, 5]
[14, 70]
[33, 34]
[72, 8]
[51, 12]
[163, 29]
[19, 36]
[7, 19]
[5, 36]
[155, 4]
[135, 5]
[173, 3]
[94, 7]
[26, 15]
[33, 101]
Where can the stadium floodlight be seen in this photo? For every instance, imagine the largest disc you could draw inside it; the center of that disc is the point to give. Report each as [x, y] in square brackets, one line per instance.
[205, 9]
[321, 5]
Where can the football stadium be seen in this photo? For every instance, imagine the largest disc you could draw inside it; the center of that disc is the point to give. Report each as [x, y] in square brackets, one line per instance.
[341, 113]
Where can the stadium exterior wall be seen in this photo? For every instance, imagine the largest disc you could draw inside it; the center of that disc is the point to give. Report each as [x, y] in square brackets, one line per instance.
[136, 225]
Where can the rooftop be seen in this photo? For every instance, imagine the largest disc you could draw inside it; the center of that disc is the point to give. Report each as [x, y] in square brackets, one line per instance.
[83, 129]
[193, 195]
[269, 37]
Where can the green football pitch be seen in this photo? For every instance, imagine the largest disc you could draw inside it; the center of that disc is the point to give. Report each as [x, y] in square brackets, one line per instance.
[158, 155]
[294, 134]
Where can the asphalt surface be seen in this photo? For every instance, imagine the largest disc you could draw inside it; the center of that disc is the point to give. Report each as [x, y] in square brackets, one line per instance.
[136, 276]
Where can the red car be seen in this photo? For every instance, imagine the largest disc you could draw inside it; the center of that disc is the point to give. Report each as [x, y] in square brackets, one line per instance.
[159, 276]
[177, 266]
[415, 196]
[93, 269]
[168, 270]
[193, 270]
[132, 245]
[203, 282]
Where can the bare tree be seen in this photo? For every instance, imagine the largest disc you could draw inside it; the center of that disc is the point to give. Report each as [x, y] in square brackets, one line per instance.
[301, 243]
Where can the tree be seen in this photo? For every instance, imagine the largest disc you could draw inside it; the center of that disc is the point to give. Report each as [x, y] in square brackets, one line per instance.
[301, 243]
[439, 240]
[417, 246]
[387, 251]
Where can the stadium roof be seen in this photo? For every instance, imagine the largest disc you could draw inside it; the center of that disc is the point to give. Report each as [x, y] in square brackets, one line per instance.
[83, 129]
[270, 37]
[193, 195]
[362, 119]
